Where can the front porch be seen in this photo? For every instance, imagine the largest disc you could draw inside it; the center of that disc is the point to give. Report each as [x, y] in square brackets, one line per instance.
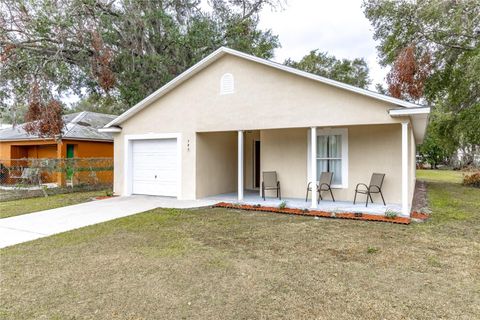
[252, 197]
[230, 166]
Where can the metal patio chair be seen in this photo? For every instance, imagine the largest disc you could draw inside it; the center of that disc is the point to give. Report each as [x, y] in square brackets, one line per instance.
[323, 185]
[270, 182]
[375, 186]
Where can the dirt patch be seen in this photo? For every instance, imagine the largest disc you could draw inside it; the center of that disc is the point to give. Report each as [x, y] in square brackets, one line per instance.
[420, 210]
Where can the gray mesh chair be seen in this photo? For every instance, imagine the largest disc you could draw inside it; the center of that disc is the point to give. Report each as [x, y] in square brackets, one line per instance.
[375, 186]
[323, 185]
[270, 182]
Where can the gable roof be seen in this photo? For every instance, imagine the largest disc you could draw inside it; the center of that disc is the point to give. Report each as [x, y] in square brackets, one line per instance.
[77, 126]
[222, 51]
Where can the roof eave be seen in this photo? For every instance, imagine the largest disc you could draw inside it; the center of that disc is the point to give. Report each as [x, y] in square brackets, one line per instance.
[113, 129]
[417, 111]
[418, 117]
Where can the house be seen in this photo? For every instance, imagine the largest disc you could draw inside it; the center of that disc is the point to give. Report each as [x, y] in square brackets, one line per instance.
[80, 139]
[214, 128]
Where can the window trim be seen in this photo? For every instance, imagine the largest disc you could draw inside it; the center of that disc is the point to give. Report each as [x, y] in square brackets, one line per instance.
[325, 132]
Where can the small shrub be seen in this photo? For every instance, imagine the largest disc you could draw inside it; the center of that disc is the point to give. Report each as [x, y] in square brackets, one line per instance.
[371, 250]
[258, 205]
[282, 205]
[472, 180]
[391, 214]
[109, 193]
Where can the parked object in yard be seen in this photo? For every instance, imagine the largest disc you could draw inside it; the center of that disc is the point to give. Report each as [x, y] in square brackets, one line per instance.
[270, 182]
[375, 186]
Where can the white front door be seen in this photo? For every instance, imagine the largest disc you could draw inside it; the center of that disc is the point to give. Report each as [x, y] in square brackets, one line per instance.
[155, 167]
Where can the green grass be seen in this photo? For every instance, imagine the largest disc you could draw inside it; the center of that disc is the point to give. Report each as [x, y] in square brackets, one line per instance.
[448, 199]
[17, 207]
[231, 264]
[449, 176]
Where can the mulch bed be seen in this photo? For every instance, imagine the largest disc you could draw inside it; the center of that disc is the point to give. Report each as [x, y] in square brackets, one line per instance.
[316, 213]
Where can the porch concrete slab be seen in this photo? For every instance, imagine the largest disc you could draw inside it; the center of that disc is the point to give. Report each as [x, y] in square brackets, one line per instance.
[40, 224]
[252, 198]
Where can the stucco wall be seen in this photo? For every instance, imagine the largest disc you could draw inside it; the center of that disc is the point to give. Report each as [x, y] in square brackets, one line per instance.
[370, 149]
[88, 149]
[6, 148]
[264, 98]
[285, 151]
[216, 163]
[375, 149]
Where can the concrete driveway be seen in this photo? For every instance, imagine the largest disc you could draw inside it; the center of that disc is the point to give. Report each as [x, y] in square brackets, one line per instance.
[41, 224]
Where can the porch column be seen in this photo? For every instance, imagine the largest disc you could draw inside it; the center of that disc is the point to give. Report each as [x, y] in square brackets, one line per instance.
[240, 165]
[313, 164]
[405, 208]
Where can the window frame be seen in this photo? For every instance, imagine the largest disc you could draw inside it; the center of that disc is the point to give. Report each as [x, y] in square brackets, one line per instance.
[343, 132]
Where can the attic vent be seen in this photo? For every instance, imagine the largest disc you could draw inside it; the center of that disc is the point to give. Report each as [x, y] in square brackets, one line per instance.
[226, 84]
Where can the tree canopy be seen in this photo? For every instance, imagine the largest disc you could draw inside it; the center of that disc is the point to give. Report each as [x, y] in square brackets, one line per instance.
[438, 44]
[116, 50]
[354, 72]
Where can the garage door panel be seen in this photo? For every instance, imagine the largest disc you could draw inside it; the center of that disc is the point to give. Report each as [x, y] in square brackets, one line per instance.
[155, 167]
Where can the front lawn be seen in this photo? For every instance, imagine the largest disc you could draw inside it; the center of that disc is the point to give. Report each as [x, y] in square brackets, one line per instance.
[228, 264]
[17, 207]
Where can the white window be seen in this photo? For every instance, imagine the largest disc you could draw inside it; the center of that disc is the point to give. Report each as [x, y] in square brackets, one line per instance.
[332, 155]
[227, 84]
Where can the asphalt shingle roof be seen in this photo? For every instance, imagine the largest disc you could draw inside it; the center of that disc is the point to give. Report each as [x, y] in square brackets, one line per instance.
[81, 125]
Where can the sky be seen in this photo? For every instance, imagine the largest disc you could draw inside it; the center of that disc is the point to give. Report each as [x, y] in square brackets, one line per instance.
[336, 26]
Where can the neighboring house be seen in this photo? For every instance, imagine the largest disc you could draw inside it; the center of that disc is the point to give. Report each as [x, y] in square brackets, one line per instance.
[80, 139]
[235, 115]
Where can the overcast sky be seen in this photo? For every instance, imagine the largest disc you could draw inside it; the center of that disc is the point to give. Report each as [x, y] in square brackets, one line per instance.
[336, 26]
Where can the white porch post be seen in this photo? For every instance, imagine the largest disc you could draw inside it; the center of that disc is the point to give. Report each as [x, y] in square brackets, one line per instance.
[313, 164]
[405, 208]
[240, 165]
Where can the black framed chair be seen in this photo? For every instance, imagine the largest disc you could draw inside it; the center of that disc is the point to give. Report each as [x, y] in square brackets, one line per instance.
[270, 182]
[375, 186]
[323, 185]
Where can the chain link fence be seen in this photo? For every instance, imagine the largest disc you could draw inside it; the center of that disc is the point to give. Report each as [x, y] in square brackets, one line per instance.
[26, 178]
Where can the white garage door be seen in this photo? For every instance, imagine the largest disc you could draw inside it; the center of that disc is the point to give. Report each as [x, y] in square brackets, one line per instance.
[155, 168]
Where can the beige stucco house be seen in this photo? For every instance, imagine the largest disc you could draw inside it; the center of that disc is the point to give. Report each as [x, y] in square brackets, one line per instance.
[214, 128]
